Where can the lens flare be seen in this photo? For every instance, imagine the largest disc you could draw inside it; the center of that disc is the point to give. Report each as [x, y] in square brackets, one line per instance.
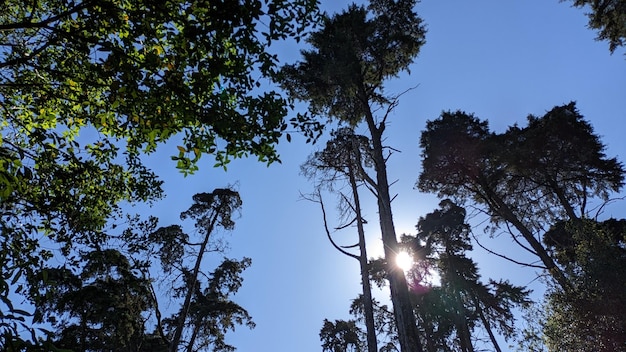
[404, 261]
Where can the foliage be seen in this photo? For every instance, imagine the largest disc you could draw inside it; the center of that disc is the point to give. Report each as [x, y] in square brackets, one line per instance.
[211, 312]
[344, 159]
[609, 18]
[205, 314]
[341, 336]
[527, 177]
[451, 312]
[354, 53]
[107, 300]
[100, 309]
[88, 87]
[345, 153]
[591, 317]
[384, 324]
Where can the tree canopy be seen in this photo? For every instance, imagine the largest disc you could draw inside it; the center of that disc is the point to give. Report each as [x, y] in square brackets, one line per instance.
[112, 298]
[590, 317]
[528, 177]
[89, 87]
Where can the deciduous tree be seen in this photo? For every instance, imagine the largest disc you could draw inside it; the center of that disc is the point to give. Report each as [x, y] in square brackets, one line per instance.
[88, 87]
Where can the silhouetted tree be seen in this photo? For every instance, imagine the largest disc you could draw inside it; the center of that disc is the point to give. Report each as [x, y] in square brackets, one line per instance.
[341, 336]
[461, 303]
[346, 155]
[113, 305]
[342, 77]
[101, 309]
[526, 179]
[205, 311]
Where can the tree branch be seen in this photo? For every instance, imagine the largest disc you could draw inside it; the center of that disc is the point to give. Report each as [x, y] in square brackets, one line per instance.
[330, 238]
[505, 257]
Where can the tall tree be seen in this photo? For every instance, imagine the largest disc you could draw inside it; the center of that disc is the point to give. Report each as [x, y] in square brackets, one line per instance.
[461, 302]
[525, 178]
[113, 305]
[346, 155]
[208, 312]
[87, 87]
[342, 77]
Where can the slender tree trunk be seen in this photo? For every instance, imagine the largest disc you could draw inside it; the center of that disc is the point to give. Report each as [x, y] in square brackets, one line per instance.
[194, 335]
[497, 205]
[372, 344]
[486, 324]
[402, 308]
[196, 270]
[569, 209]
[462, 329]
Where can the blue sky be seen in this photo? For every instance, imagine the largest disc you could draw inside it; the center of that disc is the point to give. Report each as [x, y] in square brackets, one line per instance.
[500, 60]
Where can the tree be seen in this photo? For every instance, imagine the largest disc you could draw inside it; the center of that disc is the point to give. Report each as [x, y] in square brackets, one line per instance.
[526, 179]
[609, 18]
[112, 305]
[342, 78]
[346, 155]
[591, 317]
[87, 87]
[101, 309]
[453, 311]
[341, 336]
[384, 322]
[207, 313]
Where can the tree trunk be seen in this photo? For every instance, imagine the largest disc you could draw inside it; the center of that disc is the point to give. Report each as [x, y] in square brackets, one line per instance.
[486, 324]
[462, 329]
[402, 308]
[196, 270]
[372, 344]
[498, 206]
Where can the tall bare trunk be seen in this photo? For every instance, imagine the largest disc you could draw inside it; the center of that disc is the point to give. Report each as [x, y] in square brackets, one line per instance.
[402, 308]
[194, 274]
[372, 344]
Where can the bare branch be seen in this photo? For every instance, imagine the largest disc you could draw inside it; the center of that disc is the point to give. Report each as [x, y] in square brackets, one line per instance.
[517, 241]
[319, 200]
[505, 257]
[601, 208]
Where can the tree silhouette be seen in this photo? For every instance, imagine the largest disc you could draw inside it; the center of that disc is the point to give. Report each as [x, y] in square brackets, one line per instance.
[342, 78]
[525, 179]
[346, 155]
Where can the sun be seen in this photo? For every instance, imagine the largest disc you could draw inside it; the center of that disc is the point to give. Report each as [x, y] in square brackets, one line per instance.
[404, 261]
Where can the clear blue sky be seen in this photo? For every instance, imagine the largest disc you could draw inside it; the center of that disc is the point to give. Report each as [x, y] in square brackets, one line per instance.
[499, 59]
